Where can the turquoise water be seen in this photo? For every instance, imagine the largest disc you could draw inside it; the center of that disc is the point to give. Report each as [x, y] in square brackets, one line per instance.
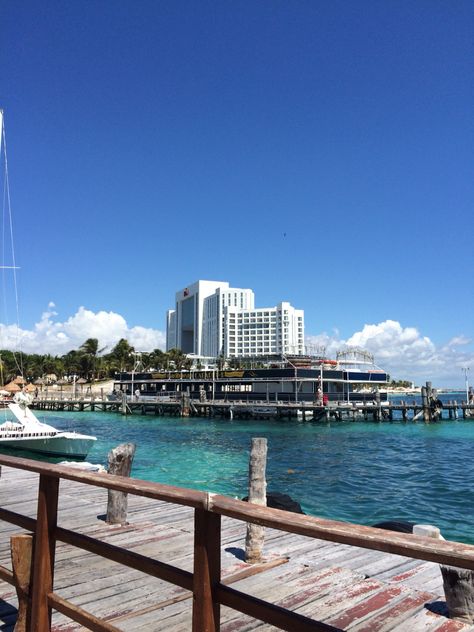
[353, 471]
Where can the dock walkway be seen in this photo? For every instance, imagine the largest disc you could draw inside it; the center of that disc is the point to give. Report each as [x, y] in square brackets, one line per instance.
[345, 586]
[258, 409]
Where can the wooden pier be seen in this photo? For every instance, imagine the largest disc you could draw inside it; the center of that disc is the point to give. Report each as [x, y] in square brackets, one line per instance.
[306, 411]
[174, 567]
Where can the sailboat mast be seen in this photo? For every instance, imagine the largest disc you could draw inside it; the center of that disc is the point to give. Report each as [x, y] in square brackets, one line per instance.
[1, 130]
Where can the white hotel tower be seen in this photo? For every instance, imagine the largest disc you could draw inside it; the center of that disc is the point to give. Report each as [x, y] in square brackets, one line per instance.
[211, 319]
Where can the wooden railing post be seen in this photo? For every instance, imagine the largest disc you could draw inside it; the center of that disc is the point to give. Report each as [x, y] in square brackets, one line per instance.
[21, 552]
[207, 571]
[44, 553]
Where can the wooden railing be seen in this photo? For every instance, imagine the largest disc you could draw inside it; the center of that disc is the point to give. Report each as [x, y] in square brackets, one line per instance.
[209, 592]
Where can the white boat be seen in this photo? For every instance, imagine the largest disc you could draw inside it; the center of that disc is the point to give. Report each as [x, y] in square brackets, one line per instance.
[23, 431]
[26, 432]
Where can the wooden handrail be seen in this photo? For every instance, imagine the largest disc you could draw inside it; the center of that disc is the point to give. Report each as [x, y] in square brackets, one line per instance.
[205, 581]
[157, 491]
[418, 547]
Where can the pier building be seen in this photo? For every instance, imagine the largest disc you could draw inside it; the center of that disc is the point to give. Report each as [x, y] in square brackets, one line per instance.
[212, 319]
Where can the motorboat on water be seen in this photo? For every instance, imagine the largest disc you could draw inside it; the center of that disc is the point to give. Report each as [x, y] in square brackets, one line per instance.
[26, 432]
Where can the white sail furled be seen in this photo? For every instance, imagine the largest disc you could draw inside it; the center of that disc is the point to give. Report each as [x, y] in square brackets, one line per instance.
[28, 419]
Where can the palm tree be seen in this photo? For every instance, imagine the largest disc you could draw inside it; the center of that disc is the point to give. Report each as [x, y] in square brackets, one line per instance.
[178, 358]
[7, 366]
[158, 359]
[89, 352]
[121, 355]
[50, 364]
[72, 362]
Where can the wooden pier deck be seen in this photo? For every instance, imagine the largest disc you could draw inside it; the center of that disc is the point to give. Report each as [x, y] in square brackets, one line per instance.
[307, 411]
[347, 587]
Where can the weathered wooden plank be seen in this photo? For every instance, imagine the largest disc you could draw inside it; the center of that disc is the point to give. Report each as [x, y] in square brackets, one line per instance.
[295, 584]
[426, 621]
[401, 611]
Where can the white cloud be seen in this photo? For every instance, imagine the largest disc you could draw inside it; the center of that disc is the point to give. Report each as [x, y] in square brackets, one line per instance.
[405, 353]
[52, 336]
[402, 351]
[458, 341]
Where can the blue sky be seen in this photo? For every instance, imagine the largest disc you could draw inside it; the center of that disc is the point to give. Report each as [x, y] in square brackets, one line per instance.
[317, 152]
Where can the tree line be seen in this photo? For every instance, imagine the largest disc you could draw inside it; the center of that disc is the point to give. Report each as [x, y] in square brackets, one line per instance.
[89, 362]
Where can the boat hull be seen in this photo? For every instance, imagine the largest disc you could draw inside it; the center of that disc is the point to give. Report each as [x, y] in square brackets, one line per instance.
[61, 445]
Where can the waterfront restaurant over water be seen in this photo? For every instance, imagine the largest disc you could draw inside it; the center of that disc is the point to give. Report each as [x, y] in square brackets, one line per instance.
[293, 379]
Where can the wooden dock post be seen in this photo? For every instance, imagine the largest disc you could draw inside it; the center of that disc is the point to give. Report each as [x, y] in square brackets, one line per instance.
[21, 552]
[185, 403]
[258, 495]
[378, 405]
[404, 411]
[120, 461]
[425, 400]
[124, 408]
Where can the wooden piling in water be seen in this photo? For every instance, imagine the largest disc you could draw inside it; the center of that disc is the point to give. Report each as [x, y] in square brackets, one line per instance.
[378, 402]
[404, 412]
[425, 403]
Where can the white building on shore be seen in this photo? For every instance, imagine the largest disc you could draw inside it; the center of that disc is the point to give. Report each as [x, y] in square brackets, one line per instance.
[212, 319]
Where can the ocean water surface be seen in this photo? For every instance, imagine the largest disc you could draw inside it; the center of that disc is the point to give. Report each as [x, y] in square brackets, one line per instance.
[361, 472]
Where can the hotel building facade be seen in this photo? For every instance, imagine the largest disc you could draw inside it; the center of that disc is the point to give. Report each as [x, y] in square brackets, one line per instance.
[211, 319]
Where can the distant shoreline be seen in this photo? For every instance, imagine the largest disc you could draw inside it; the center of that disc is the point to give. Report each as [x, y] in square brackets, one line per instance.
[400, 390]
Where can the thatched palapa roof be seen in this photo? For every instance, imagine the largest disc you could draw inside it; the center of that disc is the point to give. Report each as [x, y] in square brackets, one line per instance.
[12, 387]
